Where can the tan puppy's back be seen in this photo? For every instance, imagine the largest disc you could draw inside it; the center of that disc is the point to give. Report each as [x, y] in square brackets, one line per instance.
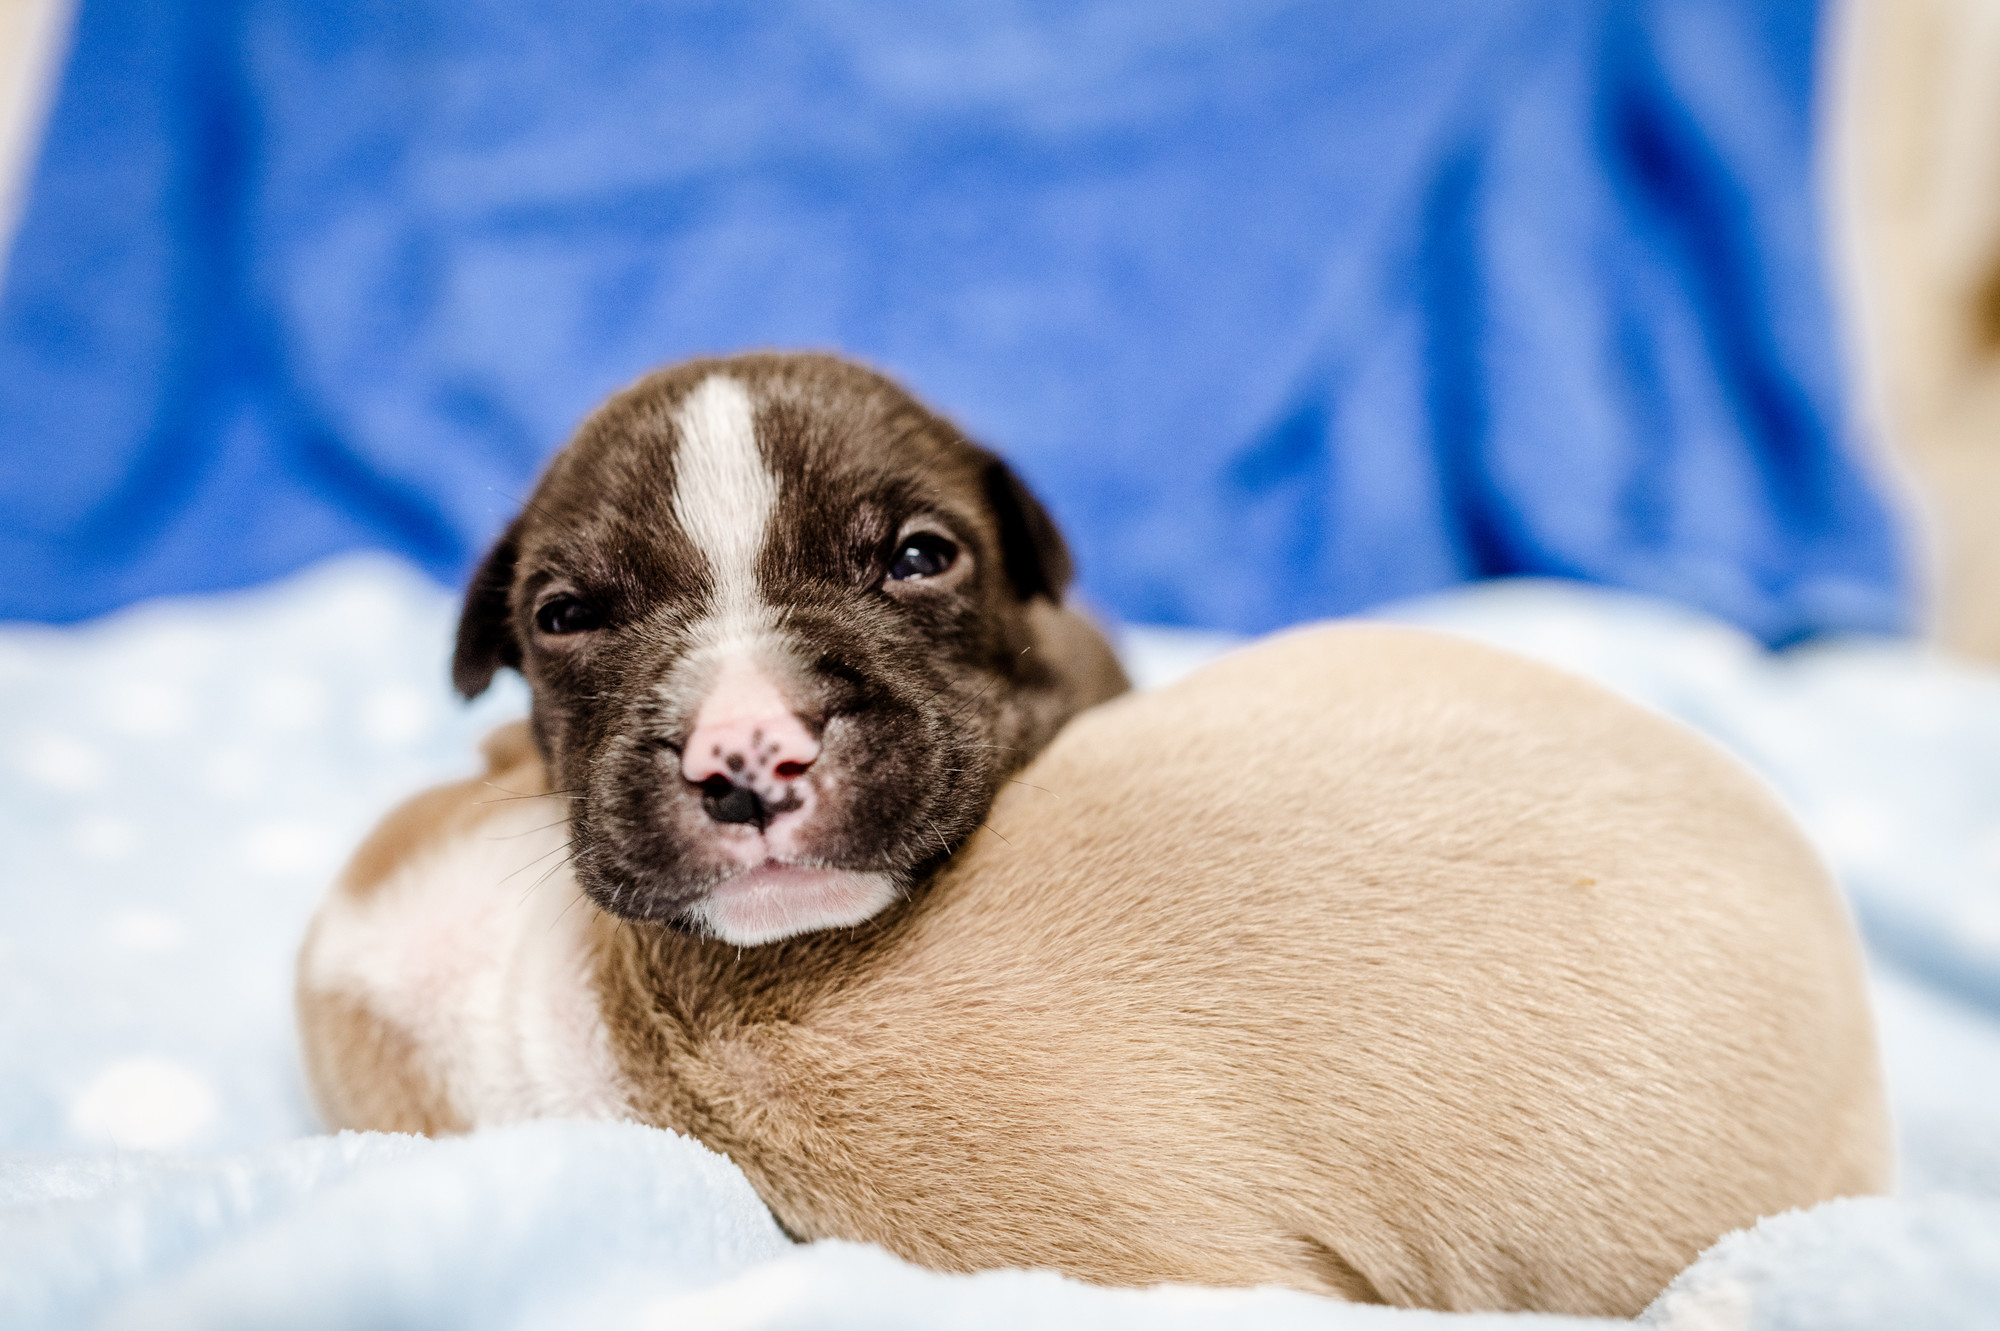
[1366, 960]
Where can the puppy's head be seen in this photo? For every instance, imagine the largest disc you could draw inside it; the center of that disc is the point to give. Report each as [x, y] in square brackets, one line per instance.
[787, 632]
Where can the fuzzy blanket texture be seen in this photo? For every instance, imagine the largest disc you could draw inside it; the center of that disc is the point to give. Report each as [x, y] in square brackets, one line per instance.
[179, 782]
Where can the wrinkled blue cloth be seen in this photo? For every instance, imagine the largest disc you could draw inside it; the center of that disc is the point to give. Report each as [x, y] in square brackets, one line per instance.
[1289, 308]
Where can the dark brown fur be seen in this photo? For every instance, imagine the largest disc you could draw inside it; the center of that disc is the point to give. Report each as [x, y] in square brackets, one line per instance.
[926, 699]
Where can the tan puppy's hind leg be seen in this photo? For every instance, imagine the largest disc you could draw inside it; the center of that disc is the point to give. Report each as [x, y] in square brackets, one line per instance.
[366, 1072]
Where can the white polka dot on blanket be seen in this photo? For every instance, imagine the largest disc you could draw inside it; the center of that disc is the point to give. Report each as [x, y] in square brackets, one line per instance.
[62, 762]
[147, 931]
[146, 709]
[143, 1104]
[286, 704]
[104, 839]
[397, 714]
[236, 772]
[283, 848]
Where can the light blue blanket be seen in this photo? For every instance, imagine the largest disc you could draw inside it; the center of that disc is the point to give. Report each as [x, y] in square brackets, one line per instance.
[178, 783]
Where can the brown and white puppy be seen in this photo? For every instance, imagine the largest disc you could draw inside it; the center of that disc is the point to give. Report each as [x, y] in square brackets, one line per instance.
[787, 632]
[1366, 961]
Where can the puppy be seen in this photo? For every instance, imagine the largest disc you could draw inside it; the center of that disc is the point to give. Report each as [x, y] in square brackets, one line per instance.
[787, 632]
[1367, 961]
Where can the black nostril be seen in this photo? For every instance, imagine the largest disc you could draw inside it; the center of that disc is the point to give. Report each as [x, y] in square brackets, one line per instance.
[727, 802]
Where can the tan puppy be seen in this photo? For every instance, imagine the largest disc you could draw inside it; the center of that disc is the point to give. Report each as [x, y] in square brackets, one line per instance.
[1366, 961]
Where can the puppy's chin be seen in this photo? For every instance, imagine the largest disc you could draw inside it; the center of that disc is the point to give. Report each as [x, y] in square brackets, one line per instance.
[776, 901]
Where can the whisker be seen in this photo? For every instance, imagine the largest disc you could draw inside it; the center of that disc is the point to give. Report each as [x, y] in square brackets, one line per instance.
[1010, 781]
[571, 792]
[564, 911]
[996, 832]
[528, 502]
[513, 836]
[935, 693]
[537, 860]
[939, 693]
[547, 874]
[942, 844]
[977, 696]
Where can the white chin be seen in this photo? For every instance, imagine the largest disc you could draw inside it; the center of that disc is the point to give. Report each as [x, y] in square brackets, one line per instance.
[776, 901]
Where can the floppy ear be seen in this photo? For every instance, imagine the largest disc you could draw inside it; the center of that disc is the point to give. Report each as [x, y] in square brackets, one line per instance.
[1037, 560]
[486, 638]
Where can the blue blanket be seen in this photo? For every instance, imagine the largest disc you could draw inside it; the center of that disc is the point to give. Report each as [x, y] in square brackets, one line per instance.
[1289, 307]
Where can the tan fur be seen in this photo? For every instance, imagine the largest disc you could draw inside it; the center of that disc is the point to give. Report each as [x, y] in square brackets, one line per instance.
[1366, 961]
[367, 1073]
[1091, 671]
[512, 771]
[364, 1070]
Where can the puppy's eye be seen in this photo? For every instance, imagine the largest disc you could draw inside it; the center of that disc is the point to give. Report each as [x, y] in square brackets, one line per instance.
[923, 554]
[568, 614]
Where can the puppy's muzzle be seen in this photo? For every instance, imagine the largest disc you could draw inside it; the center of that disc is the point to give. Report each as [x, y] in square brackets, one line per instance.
[748, 750]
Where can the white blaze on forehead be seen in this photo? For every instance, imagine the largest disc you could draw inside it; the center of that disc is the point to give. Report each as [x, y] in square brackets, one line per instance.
[724, 496]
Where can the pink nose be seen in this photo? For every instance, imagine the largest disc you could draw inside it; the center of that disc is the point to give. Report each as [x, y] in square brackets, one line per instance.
[747, 734]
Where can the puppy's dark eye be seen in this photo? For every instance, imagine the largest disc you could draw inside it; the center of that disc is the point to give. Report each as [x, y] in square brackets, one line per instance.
[923, 554]
[568, 614]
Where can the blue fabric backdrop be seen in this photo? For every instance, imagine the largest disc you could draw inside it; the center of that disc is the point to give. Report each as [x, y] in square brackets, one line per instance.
[1288, 308]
